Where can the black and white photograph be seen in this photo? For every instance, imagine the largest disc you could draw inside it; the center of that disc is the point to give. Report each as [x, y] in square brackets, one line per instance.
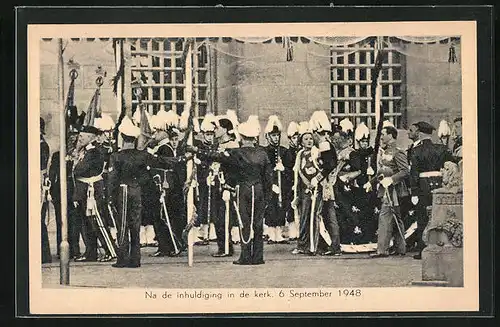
[253, 167]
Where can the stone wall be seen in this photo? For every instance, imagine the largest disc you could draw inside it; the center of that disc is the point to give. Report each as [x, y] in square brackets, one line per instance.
[257, 79]
[89, 54]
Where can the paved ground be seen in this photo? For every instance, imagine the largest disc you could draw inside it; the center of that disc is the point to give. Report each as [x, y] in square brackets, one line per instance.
[282, 269]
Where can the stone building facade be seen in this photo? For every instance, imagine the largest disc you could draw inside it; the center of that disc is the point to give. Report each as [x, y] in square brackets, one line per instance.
[257, 79]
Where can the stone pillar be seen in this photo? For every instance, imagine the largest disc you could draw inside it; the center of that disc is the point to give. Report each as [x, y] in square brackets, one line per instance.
[442, 259]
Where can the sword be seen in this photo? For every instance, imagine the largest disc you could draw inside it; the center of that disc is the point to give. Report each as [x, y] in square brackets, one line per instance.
[280, 198]
[311, 220]
[166, 219]
[104, 232]
[209, 205]
[226, 227]
[124, 214]
[393, 211]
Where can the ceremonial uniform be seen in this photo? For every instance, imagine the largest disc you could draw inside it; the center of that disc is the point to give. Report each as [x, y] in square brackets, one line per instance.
[253, 171]
[129, 172]
[426, 161]
[392, 165]
[106, 149]
[274, 216]
[209, 191]
[90, 202]
[167, 225]
[228, 176]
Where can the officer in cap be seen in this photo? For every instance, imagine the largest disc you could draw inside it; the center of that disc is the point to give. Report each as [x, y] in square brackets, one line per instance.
[426, 160]
[88, 195]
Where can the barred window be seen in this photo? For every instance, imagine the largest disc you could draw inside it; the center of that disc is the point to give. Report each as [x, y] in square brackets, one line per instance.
[350, 75]
[158, 63]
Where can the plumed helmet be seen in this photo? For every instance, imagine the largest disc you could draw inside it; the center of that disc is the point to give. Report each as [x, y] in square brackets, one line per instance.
[128, 128]
[444, 129]
[346, 125]
[293, 128]
[362, 132]
[273, 125]
[209, 123]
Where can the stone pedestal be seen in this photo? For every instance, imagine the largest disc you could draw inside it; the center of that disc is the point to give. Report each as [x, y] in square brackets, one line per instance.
[442, 259]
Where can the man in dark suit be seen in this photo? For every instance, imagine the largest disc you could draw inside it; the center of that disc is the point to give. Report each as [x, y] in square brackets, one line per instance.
[426, 159]
[44, 160]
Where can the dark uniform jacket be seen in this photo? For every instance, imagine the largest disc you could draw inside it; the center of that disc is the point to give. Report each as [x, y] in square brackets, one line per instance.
[90, 165]
[425, 157]
[249, 166]
[44, 154]
[392, 162]
[132, 167]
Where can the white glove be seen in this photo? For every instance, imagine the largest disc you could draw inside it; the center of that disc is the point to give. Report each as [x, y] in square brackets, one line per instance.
[226, 196]
[386, 182]
[197, 161]
[357, 230]
[414, 199]
[411, 212]
[75, 204]
[355, 209]
[276, 189]
[370, 171]
[279, 167]
[314, 182]
[367, 187]
[210, 179]
[343, 178]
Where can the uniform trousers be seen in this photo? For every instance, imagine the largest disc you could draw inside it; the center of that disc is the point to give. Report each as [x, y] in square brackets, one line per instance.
[387, 229]
[220, 223]
[331, 224]
[46, 256]
[252, 198]
[129, 223]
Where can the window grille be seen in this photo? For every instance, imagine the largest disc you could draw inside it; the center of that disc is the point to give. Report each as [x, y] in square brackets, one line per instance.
[350, 75]
[158, 64]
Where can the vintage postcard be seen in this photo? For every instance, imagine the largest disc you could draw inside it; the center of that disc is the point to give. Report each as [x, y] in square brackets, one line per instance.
[253, 168]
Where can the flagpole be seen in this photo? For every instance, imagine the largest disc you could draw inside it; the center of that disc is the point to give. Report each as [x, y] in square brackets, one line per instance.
[64, 246]
[190, 196]
[378, 89]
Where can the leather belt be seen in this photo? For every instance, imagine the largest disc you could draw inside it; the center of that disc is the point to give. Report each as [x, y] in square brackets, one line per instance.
[428, 174]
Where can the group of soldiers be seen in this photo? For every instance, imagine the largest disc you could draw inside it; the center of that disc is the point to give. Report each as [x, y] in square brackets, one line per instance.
[327, 189]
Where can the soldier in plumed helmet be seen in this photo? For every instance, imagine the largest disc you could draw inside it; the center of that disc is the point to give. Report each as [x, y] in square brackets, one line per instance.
[209, 187]
[292, 216]
[274, 216]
